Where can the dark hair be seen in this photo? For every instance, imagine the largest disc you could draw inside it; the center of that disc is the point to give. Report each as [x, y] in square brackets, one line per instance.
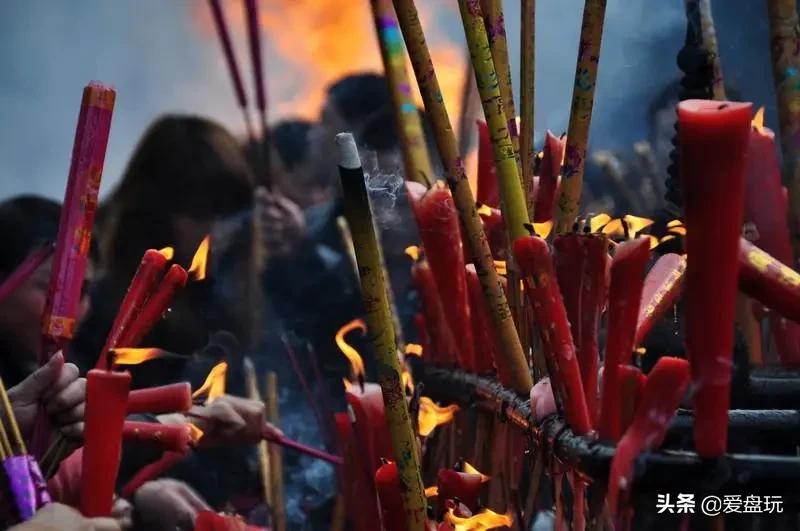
[291, 141]
[26, 223]
[359, 96]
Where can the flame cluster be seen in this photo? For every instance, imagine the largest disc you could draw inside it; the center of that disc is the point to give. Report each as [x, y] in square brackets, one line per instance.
[486, 519]
[432, 415]
[214, 385]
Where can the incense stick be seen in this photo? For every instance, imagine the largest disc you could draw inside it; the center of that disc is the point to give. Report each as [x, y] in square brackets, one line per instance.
[709, 36]
[254, 38]
[276, 456]
[527, 76]
[12, 419]
[24, 271]
[301, 377]
[263, 450]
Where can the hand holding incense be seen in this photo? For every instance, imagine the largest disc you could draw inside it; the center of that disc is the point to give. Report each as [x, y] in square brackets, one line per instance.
[713, 141]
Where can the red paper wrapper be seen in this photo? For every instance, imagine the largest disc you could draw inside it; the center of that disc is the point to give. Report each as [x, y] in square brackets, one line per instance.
[662, 287]
[552, 156]
[488, 191]
[624, 295]
[443, 347]
[581, 262]
[163, 399]
[713, 139]
[77, 219]
[535, 263]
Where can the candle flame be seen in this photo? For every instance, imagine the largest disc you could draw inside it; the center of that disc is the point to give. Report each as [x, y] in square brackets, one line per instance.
[414, 349]
[500, 265]
[197, 271]
[214, 386]
[614, 229]
[432, 492]
[484, 210]
[167, 252]
[486, 519]
[636, 224]
[195, 433]
[469, 469]
[543, 229]
[432, 415]
[356, 363]
[598, 222]
[407, 380]
[412, 251]
[135, 356]
[758, 119]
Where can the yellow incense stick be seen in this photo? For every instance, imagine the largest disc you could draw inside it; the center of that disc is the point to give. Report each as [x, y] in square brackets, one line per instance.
[527, 153]
[710, 44]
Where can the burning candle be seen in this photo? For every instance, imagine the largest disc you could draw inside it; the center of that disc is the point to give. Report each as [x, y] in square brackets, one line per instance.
[151, 267]
[533, 257]
[769, 281]
[713, 142]
[552, 158]
[77, 219]
[624, 296]
[168, 437]
[163, 399]
[106, 405]
[495, 230]
[443, 345]
[766, 207]
[482, 330]
[662, 287]
[393, 515]
[438, 227]
[488, 193]
[581, 262]
[466, 487]
[358, 486]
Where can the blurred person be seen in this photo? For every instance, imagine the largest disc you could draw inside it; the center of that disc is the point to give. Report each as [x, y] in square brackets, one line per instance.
[59, 517]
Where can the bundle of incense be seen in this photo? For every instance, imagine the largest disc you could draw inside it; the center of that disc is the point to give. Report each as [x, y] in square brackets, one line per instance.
[380, 326]
[624, 296]
[533, 256]
[580, 115]
[552, 156]
[713, 141]
[581, 262]
[661, 396]
[416, 160]
[662, 287]
[769, 281]
[514, 207]
[230, 60]
[527, 76]
[510, 348]
[24, 271]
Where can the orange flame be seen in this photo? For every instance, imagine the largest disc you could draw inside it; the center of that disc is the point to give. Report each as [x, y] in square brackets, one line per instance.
[432, 415]
[500, 265]
[197, 271]
[614, 229]
[167, 252]
[543, 229]
[356, 363]
[469, 469]
[598, 222]
[432, 492]
[195, 433]
[486, 519]
[414, 349]
[214, 386]
[484, 210]
[636, 224]
[412, 251]
[407, 380]
[758, 119]
[135, 356]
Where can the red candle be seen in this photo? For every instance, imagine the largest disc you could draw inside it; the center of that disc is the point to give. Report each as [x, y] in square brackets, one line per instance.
[713, 139]
[552, 157]
[766, 207]
[631, 385]
[438, 223]
[358, 486]
[150, 472]
[370, 428]
[423, 337]
[155, 307]
[393, 514]
[535, 263]
[163, 399]
[151, 267]
[661, 396]
[488, 192]
[464, 486]
[168, 437]
[443, 345]
[767, 280]
[581, 261]
[77, 219]
[662, 287]
[482, 329]
[495, 230]
[624, 295]
[106, 405]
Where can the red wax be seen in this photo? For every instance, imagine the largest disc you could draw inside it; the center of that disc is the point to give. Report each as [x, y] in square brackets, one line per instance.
[443, 345]
[765, 206]
[106, 397]
[370, 427]
[552, 156]
[482, 327]
[581, 261]
[357, 485]
[453, 484]
[164, 399]
[151, 267]
[713, 139]
[393, 514]
[495, 230]
[536, 264]
[77, 219]
[624, 296]
[770, 282]
[661, 396]
[155, 307]
[488, 192]
[632, 383]
[438, 223]
[168, 437]
[662, 287]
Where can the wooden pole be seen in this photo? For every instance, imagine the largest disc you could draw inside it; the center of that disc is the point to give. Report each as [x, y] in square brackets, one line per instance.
[527, 76]
[275, 456]
[381, 329]
[511, 353]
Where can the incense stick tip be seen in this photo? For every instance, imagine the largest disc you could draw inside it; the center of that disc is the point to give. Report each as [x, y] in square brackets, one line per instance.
[348, 152]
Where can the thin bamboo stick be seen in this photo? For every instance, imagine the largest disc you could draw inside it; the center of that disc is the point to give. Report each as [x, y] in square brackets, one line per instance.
[263, 449]
[275, 456]
[527, 152]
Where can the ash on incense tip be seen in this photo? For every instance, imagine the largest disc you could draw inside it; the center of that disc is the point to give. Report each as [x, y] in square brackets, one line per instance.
[348, 152]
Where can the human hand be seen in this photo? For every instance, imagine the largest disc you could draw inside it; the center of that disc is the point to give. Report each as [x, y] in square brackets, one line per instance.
[168, 504]
[58, 517]
[232, 420]
[281, 222]
[58, 386]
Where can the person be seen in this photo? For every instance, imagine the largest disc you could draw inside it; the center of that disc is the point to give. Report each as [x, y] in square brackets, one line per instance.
[60, 517]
